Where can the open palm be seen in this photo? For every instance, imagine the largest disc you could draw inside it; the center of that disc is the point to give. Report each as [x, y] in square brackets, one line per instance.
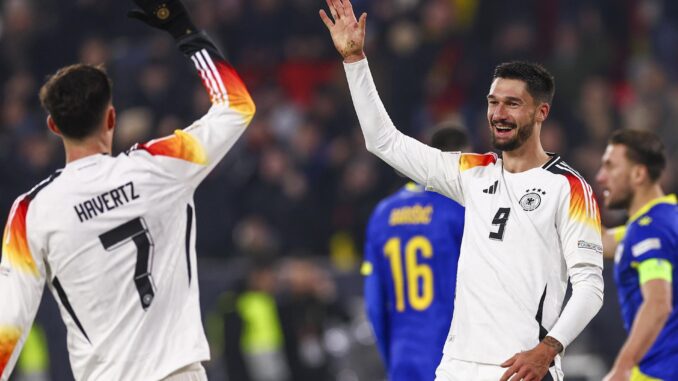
[348, 33]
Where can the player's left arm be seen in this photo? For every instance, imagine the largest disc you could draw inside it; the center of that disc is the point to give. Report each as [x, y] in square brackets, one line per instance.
[579, 230]
[655, 271]
[375, 300]
[22, 280]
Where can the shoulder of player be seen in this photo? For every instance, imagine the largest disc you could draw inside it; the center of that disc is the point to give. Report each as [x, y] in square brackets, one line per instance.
[180, 145]
[556, 166]
[41, 188]
[659, 221]
[468, 161]
[27, 201]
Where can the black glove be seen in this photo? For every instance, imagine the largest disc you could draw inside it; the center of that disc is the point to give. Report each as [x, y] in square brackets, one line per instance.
[169, 15]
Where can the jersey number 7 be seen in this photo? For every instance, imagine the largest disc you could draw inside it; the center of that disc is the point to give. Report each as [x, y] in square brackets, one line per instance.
[136, 231]
[414, 272]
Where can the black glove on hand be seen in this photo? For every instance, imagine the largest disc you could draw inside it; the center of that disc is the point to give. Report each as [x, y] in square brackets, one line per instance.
[169, 15]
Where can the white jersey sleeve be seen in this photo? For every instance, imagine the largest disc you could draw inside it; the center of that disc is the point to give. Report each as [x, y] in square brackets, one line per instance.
[579, 228]
[22, 280]
[439, 171]
[190, 154]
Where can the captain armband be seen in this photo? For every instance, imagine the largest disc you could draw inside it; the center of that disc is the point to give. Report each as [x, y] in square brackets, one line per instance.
[655, 268]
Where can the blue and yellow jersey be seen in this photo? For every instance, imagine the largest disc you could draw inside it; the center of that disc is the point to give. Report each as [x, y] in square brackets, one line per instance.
[649, 250]
[410, 269]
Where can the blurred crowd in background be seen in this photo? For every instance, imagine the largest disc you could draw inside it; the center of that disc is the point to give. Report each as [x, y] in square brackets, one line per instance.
[298, 188]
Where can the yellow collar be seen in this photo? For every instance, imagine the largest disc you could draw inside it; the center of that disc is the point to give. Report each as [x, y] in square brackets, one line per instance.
[668, 199]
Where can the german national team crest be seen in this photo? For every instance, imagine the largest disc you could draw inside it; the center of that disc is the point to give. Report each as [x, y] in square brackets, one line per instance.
[532, 199]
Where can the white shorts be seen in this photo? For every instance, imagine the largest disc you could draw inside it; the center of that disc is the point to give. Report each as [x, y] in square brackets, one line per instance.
[193, 372]
[458, 370]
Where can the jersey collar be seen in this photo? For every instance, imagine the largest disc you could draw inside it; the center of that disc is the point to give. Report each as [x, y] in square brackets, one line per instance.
[668, 199]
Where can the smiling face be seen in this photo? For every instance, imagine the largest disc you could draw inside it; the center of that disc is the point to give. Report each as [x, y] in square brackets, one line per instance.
[614, 177]
[512, 113]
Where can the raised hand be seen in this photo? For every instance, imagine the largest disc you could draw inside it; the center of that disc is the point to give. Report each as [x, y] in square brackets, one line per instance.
[348, 34]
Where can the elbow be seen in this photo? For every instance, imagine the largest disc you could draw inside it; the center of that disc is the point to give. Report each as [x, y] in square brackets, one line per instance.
[371, 148]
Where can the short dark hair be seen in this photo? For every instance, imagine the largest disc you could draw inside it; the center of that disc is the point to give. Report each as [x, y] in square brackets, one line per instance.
[540, 83]
[642, 147]
[449, 138]
[76, 97]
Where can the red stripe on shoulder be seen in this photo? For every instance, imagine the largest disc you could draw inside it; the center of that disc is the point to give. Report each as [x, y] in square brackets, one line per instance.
[15, 242]
[472, 160]
[583, 205]
[181, 145]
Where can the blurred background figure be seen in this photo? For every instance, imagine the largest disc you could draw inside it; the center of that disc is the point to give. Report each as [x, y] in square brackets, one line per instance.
[645, 257]
[300, 181]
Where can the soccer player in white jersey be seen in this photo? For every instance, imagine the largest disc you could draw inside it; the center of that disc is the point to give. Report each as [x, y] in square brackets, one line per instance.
[114, 237]
[531, 221]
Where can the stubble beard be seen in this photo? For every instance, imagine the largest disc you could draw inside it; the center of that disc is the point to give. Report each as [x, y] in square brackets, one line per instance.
[524, 133]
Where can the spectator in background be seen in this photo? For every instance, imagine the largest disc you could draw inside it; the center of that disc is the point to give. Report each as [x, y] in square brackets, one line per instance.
[410, 268]
[645, 262]
[253, 338]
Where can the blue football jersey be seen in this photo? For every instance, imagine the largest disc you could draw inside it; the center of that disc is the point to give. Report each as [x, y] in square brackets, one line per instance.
[411, 254]
[650, 233]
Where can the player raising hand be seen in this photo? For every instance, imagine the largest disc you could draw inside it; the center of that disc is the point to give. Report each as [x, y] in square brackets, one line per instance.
[114, 237]
[531, 221]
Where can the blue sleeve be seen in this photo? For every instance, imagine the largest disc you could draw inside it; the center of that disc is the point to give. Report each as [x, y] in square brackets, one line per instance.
[375, 294]
[648, 240]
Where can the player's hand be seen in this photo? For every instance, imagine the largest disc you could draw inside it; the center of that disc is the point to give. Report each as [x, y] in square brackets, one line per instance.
[348, 34]
[530, 365]
[168, 15]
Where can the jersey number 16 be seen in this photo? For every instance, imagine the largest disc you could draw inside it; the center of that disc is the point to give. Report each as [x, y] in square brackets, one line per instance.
[414, 272]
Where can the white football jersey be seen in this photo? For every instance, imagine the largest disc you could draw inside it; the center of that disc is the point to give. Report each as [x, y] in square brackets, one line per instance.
[523, 233]
[114, 239]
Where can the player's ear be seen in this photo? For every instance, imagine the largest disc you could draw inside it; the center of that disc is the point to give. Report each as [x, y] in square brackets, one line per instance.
[639, 174]
[51, 124]
[542, 112]
[110, 117]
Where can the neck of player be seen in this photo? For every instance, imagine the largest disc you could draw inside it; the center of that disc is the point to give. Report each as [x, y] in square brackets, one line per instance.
[529, 155]
[91, 145]
[643, 195]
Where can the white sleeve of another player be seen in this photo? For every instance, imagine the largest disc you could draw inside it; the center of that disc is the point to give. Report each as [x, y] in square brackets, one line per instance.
[22, 280]
[439, 171]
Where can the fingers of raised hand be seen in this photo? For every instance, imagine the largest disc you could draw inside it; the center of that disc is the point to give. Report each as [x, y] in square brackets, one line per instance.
[333, 10]
[348, 9]
[326, 19]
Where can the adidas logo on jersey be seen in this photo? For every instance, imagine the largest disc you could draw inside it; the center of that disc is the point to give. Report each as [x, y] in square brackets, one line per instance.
[492, 189]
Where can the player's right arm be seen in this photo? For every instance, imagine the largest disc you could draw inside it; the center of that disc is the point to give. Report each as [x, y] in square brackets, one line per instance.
[202, 145]
[375, 294]
[425, 165]
[22, 280]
